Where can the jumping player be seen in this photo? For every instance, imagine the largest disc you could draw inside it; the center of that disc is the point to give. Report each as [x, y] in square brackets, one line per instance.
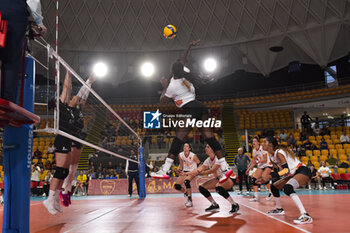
[77, 104]
[188, 163]
[291, 175]
[261, 159]
[210, 166]
[62, 147]
[180, 88]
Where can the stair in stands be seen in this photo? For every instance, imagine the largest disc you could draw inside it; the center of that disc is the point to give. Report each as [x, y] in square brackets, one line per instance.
[231, 137]
[94, 135]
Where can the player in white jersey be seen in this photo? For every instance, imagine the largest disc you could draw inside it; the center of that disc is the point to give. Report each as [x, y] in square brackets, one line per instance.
[210, 166]
[188, 163]
[180, 88]
[261, 159]
[291, 174]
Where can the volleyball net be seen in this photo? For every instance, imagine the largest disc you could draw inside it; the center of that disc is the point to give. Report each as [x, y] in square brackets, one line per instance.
[95, 124]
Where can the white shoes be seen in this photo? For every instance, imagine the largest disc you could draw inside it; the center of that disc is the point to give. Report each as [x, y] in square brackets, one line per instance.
[188, 203]
[49, 205]
[254, 199]
[160, 174]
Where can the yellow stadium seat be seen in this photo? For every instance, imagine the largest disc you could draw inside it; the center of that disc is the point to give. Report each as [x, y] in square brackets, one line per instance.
[316, 164]
[323, 158]
[317, 152]
[341, 151]
[304, 159]
[331, 146]
[339, 146]
[313, 159]
[325, 152]
[341, 170]
[333, 152]
[309, 152]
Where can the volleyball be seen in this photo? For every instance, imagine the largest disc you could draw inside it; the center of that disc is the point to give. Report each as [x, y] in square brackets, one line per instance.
[169, 31]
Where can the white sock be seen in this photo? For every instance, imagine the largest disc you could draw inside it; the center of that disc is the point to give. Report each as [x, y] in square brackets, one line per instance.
[297, 201]
[256, 195]
[223, 164]
[67, 184]
[278, 204]
[51, 195]
[167, 164]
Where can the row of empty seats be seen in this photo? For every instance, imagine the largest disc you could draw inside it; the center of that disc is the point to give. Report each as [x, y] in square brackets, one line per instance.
[264, 119]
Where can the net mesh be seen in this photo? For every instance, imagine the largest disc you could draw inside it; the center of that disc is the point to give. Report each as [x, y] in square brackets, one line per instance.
[73, 109]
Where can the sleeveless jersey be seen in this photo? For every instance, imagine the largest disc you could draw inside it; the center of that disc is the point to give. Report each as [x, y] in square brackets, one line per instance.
[181, 91]
[188, 162]
[259, 155]
[293, 164]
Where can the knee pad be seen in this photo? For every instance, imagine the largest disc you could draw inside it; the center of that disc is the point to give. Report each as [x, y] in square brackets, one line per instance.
[220, 190]
[204, 191]
[188, 184]
[177, 187]
[176, 146]
[275, 192]
[293, 182]
[61, 173]
[214, 144]
[288, 189]
[253, 182]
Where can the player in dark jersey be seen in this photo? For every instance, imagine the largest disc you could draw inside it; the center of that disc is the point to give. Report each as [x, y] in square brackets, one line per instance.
[62, 147]
[76, 104]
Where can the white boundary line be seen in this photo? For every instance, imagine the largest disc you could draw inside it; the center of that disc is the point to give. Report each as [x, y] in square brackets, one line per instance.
[280, 220]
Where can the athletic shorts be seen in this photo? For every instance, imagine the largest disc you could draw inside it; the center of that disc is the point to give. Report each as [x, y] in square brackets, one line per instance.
[62, 144]
[76, 144]
[263, 168]
[303, 170]
[196, 109]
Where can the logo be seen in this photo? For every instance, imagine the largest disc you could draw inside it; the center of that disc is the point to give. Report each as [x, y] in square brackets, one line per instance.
[151, 120]
[107, 187]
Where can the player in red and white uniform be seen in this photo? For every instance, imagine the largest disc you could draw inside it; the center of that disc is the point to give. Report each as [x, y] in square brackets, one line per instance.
[210, 166]
[188, 163]
[290, 175]
[261, 159]
[180, 88]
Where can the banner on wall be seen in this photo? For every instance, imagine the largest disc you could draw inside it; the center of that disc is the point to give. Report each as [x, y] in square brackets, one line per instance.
[120, 186]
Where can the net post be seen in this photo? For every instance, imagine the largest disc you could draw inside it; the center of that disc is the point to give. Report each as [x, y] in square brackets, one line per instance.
[142, 187]
[18, 147]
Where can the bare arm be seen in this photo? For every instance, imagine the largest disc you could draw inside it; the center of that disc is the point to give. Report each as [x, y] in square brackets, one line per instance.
[185, 54]
[67, 88]
[181, 165]
[196, 159]
[210, 171]
[252, 164]
[165, 84]
[83, 94]
[197, 171]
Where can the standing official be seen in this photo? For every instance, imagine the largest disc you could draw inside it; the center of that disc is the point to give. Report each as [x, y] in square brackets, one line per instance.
[132, 171]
